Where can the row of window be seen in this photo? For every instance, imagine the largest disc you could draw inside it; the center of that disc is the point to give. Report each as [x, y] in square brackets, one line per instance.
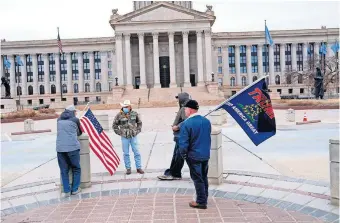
[277, 80]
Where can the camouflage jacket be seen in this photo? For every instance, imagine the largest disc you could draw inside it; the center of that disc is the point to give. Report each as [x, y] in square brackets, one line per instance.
[127, 125]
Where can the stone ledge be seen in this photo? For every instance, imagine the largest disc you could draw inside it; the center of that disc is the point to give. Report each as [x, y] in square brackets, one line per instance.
[31, 132]
[308, 122]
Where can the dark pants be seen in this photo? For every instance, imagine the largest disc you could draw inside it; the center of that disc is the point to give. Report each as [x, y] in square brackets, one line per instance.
[67, 160]
[199, 174]
[177, 163]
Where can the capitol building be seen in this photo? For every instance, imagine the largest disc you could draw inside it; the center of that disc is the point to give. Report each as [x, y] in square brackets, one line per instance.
[158, 45]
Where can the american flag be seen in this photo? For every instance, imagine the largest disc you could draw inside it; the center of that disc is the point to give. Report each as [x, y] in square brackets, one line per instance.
[59, 43]
[100, 143]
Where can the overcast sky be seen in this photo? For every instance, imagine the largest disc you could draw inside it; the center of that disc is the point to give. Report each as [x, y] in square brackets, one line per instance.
[38, 19]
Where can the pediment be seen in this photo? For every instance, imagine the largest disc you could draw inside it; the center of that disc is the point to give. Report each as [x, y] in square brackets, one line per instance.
[162, 14]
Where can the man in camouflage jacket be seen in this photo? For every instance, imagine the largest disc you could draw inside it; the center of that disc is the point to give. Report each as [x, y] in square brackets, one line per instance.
[128, 125]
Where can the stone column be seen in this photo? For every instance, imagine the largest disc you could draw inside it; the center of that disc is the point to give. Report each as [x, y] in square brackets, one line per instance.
[46, 74]
[282, 61]
[69, 72]
[57, 73]
[208, 65]
[142, 61]
[23, 75]
[2, 66]
[294, 63]
[156, 61]
[119, 59]
[316, 48]
[260, 59]
[186, 59]
[225, 54]
[271, 65]
[249, 71]
[128, 61]
[12, 76]
[237, 65]
[334, 170]
[200, 58]
[92, 77]
[173, 78]
[104, 72]
[35, 74]
[81, 72]
[305, 55]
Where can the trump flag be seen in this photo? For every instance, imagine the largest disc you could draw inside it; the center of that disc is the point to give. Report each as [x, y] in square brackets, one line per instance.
[252, 110]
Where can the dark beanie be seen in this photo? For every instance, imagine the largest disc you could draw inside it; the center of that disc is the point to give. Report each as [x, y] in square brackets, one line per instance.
[192, 104]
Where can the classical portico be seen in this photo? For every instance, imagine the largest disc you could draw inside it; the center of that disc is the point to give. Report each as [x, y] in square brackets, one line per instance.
[163, 45]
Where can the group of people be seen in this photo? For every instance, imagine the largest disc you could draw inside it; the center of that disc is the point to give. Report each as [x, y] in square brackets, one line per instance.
[191, 136]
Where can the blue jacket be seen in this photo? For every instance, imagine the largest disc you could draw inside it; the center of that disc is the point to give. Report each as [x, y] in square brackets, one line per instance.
[68, 130]
[195, 139]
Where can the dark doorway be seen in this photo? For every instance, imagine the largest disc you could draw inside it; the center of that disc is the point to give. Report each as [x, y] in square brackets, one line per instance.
[193, 80]
[164, 72]
[137, 82]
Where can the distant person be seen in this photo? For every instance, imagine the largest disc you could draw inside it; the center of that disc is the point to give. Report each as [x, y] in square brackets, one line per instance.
[194, 146]
[128, 125]
[68, 148]
[177, 162]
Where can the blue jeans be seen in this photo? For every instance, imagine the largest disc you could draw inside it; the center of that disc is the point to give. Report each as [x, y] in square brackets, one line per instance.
[126, 142]
[67, 160]
[199, 174]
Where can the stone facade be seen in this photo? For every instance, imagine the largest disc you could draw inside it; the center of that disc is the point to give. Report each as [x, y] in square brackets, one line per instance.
[159, 44]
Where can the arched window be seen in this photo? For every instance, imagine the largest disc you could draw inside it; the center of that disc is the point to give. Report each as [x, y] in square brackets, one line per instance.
[289, 79]
[244, 81]
[87, 87]
[254, 78]
[30, 90]
[300, 79]
[277, 80]
[75, 88]
[98, 87]
[19, 91]
[232, 81]
[53, 89]
[42, 89]
[64, 88]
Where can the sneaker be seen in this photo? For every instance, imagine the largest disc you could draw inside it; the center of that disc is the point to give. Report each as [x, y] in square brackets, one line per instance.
[65, 195]
[128, 171]
[77, 191]
[166, 177]
[140, 171]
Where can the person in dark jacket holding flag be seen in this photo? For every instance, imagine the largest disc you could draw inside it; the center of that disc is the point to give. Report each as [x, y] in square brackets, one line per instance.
[194, 145]
[177, 162]
[68, 148]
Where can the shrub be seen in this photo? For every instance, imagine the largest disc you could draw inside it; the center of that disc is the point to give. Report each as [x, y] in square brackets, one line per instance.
[20, 114]
[47, 111]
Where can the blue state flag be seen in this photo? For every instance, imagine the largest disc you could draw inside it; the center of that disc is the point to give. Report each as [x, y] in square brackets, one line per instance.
[268, 37]
[335, 47]
[19, 61]
[309, 51]
[323, 49]
[7, 63]
[252, 110]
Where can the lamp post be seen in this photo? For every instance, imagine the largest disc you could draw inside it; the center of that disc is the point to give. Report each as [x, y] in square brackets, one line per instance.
[116, 78]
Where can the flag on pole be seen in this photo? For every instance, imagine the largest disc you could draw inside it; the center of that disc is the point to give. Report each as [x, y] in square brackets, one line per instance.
[268, 37]
[252, 110]
[323, 49]
[335, 47]
[7, 63]
[309, 51]
[59, 43]
[99, 142]
[19, 61]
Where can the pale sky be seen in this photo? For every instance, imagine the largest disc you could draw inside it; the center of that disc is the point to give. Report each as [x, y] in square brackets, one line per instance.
[38, 19]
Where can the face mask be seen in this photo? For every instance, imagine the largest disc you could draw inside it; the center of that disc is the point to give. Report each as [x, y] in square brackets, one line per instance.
[125, 110]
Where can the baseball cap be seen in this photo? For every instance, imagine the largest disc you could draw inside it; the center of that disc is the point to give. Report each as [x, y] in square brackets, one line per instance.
[192, 104]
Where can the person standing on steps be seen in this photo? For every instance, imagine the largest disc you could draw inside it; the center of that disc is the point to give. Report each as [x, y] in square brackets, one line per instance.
[177, 162]
[194, 145]
[128, 125]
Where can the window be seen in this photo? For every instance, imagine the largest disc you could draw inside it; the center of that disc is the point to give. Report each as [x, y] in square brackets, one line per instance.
[277, 58]
[279, 91]
[233, 92]
[254, 78]
[98, 87]
[75, 88]
[29, 102]
[64, 87]
[41, 101]
[277, 79]
[29, 68]
[97, 65]
[220, 70]
[243, 59]
[109, 64]
[302, 90]
[52, 100]
[219, 60]
[299, 57]
[75, 72]
[288, 56]
[254, 59]
[97, 75]
[87, 87]
[109, 54]
[41, 89]
[265, 56]
[63, 67]
[231, 52]
[290, 91]
[98, 98]
[19, 91]
[219, 50]
[40, 68]
[30, 90]
[17, 71]
[244, 81]
[300, 79]
[52, 67]
[232, 81]
[109, 73]
[53, 89]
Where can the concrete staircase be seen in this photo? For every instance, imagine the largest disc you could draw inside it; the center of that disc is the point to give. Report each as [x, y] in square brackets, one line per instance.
[135, 94]
[164, 94]
[200, 93]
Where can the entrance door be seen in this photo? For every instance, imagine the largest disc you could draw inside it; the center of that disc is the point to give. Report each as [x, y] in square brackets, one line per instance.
[192, 80]
[164, 72]
[137, 82]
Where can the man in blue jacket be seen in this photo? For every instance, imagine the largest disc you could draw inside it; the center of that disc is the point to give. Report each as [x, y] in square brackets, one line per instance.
[194, 146]
[68, 147]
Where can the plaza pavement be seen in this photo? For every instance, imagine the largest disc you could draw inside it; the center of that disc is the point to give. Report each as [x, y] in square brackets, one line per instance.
[269, 189]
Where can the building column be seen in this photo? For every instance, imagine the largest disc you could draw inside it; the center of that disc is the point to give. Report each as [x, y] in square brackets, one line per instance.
[46, 74]
[282, 61]
[142, 61]
[156, 61]
[57, 73]
[173, 77]
[186, 59]
[2, 66]
[260, 59]
[23, 75]
[225, 54]
[200, 58]
[69, 72]
[249, 71]
[35, 74]
[128, 60]
[305, 55]
[271, 65]
[81, 72]
[208, 59]
[237, 65]
[103, 67]
[119, 59]
[316, 48]
[12, 75]
[294, 63]
[92, 77]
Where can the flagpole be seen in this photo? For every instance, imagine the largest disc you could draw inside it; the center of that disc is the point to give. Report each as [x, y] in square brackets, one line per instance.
[267, 54]
[60, 78]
